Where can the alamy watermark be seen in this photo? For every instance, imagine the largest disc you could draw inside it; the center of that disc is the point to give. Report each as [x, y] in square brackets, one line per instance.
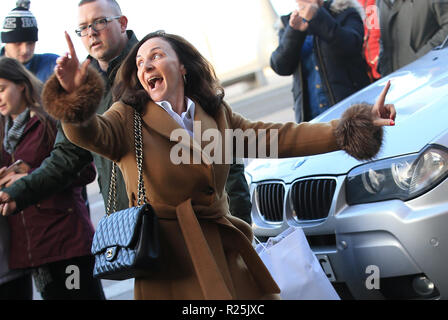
[219, 149]
[372, 20]
[373, 280]
[72, 282]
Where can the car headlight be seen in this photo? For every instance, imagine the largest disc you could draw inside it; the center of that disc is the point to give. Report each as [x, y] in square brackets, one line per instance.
[403, 178]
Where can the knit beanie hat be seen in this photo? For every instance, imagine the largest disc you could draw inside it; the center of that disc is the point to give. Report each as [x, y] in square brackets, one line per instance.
[20, 25]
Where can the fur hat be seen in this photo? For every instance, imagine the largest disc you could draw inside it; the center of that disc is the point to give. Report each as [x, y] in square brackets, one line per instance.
[20, 25]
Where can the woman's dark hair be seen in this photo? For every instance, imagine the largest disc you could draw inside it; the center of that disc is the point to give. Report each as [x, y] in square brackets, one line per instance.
[201, 86]
[14, 71]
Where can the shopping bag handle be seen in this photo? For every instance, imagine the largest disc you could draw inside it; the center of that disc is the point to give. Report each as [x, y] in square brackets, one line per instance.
[259, 242]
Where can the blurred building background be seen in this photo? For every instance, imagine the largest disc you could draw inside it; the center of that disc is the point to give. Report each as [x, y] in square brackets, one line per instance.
[236, 36]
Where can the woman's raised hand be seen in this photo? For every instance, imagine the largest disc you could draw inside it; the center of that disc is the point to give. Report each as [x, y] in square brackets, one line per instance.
[69, 72]
[383, 114]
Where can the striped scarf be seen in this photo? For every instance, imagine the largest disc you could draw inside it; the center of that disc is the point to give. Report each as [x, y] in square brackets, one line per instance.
[14, 130]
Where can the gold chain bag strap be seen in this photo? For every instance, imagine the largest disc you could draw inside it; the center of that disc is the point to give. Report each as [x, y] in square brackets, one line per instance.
[126, 242]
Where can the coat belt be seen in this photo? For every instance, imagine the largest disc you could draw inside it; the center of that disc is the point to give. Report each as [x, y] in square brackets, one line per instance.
[210, 279]
[207, 271]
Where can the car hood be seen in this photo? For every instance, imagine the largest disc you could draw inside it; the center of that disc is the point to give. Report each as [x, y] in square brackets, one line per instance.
[419, 92]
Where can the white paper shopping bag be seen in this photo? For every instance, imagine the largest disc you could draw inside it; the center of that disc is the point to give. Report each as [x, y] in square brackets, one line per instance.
[295, 268]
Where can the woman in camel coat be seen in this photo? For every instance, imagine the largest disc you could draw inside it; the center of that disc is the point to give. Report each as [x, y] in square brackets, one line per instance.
[206, 253]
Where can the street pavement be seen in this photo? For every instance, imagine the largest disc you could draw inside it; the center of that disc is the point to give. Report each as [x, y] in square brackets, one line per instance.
[271, 103]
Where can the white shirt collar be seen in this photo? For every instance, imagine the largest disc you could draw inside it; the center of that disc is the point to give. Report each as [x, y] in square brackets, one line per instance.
[186, 119]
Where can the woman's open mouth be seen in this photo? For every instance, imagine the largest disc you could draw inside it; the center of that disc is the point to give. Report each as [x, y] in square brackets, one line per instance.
[155, 82]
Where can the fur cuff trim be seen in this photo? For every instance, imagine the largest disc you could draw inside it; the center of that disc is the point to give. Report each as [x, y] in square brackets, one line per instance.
[77, 106]
[356, 133]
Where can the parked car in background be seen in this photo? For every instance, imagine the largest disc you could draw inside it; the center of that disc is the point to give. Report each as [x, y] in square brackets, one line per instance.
[379, 228]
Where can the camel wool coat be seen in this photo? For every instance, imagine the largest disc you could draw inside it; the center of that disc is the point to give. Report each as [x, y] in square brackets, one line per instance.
[205, 252]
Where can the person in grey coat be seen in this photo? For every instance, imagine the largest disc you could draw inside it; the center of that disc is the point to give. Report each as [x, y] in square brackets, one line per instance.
[409, 30]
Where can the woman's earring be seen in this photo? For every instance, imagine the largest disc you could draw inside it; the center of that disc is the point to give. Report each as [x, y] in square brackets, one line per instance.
[185, 79]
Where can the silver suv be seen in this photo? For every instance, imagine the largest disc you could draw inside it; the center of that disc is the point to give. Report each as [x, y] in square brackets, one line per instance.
[379, 228]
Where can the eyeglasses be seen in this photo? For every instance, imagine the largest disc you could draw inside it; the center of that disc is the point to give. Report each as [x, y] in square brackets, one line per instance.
[96, 25]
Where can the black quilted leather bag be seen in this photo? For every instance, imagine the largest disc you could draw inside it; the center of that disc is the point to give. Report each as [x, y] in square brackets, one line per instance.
[126, 243]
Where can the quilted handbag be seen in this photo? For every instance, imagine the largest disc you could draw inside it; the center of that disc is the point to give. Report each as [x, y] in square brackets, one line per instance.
[126, 242]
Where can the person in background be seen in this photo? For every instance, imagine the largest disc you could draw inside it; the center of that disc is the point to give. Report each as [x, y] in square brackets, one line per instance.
[409, 30]
[320, 44]
[57, 232]
[103, 32]
[20, 34]
[372, 36]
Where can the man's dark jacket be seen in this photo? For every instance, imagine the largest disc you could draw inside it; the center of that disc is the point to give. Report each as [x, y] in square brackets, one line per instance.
[409, 30]
[338, 40]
